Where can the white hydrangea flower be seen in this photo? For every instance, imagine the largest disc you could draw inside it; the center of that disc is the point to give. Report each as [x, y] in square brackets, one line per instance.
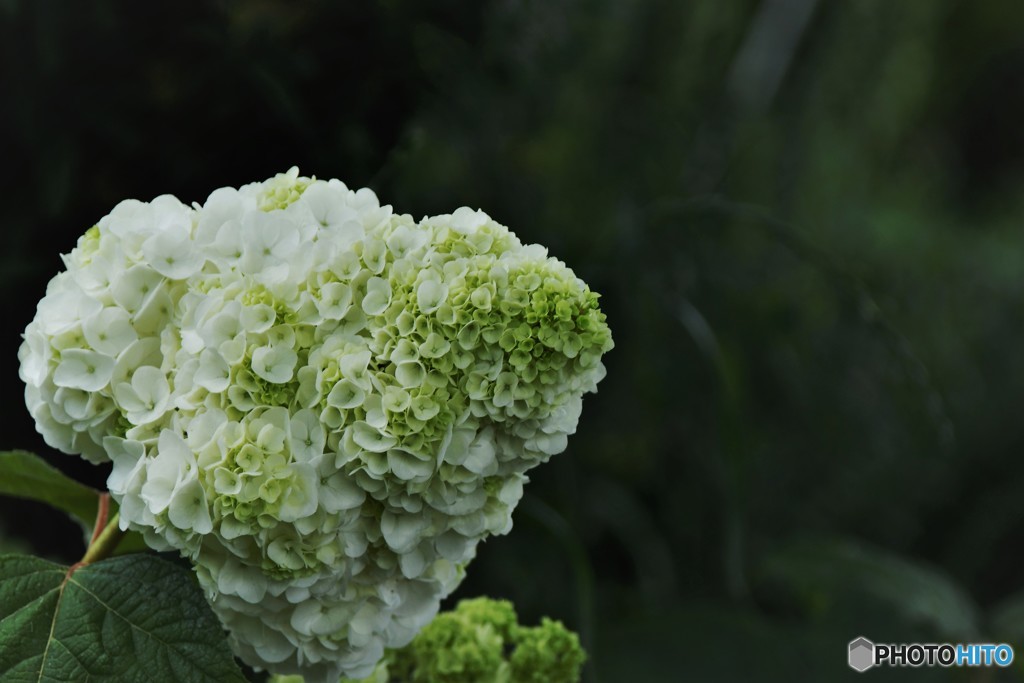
[324, 404]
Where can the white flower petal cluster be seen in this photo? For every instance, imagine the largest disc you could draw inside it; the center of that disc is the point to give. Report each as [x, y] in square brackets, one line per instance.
[324, 404]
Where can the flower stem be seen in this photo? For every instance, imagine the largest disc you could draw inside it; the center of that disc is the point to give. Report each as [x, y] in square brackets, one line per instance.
[101, 517]
[105, 543]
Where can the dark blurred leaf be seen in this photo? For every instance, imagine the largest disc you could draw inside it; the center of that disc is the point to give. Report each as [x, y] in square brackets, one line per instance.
[704, 641]
[820, 570]
[1007, 620]
[26, 475]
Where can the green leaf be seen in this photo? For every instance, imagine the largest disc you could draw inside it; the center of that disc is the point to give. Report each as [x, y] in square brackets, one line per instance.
[26, 475]
[132, 618]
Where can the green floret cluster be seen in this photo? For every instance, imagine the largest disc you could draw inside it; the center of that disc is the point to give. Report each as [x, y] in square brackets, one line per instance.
[481, 641]
[545, 654]
[282, 190]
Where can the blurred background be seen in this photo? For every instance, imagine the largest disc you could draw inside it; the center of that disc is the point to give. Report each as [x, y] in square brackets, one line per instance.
[805, 219]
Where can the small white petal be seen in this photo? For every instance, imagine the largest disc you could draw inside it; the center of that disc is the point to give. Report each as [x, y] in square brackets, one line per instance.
[85, 370]
[109, 331]
[173, 255]
[274, 363]
[188, 510]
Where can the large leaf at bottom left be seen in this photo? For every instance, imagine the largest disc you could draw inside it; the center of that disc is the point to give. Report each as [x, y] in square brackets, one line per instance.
[130, 618]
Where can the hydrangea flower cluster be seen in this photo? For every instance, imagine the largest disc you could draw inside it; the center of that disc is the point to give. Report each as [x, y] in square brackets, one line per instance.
[324, 404]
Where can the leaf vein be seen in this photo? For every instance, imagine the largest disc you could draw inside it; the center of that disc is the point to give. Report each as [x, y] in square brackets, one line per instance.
[53, 626]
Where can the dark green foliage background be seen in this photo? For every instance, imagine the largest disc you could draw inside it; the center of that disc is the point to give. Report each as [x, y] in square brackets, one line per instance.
[807, 222]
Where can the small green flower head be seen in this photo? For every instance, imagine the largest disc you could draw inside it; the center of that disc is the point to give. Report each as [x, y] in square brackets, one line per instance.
[548, 653]
[324, 404]
[481, 641]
